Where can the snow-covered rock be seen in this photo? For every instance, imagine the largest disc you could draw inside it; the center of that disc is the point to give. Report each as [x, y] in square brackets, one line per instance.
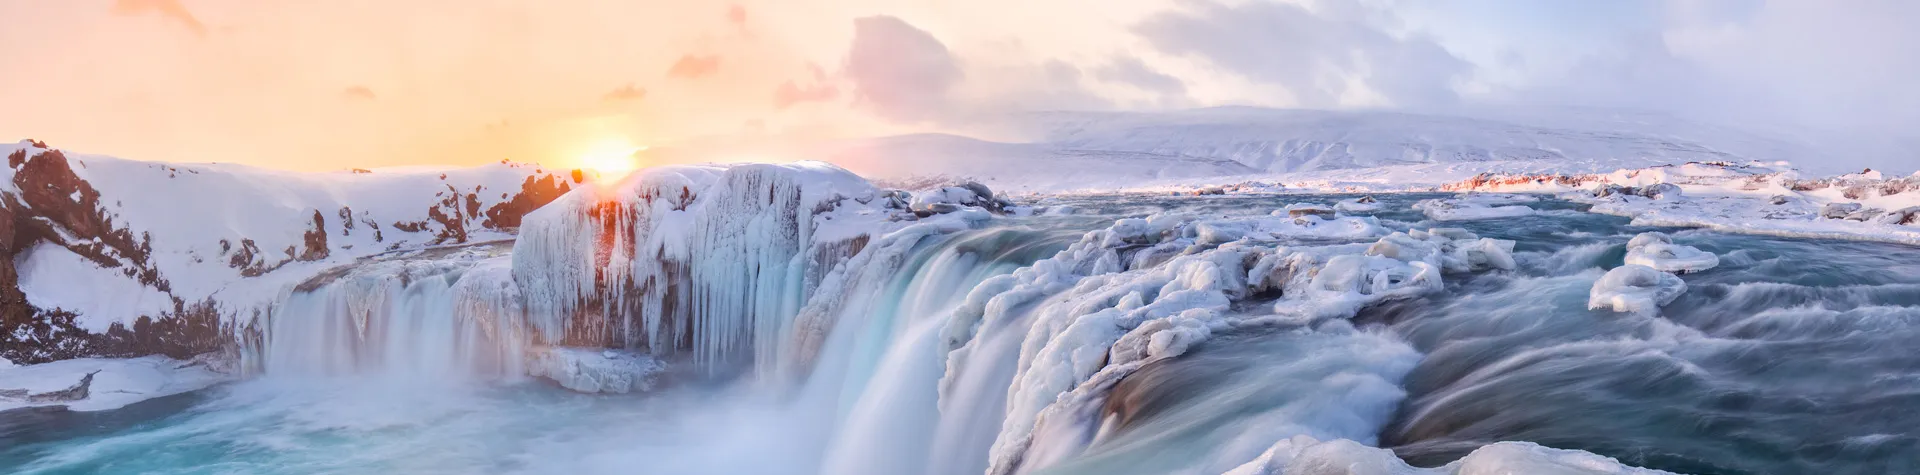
[1838, 210]
[186, 246]
[1657, 250]
[951, 198]
[594, 370]
[1635, 289]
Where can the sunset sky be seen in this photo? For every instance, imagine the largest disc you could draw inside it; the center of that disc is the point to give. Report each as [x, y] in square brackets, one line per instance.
[324, 85]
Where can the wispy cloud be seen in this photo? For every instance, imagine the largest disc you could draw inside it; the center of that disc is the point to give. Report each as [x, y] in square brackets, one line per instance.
[737, 15]
[691, 66]
[169, 9]
[359, 93]
[628, 92]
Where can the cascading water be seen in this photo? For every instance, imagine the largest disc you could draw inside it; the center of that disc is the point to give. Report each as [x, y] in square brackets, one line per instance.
[1139, 334]
[454, 314]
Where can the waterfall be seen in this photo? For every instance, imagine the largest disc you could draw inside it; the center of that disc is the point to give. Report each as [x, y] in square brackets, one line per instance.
[449, 318]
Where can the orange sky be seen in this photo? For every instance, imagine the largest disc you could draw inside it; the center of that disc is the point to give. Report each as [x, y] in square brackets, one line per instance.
[327, 85]
[312, 85]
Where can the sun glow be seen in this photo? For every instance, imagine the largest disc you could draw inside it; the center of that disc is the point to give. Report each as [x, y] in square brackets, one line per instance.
[611, 159]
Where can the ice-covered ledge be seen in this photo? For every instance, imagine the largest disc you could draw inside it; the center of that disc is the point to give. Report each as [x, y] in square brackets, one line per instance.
[98, 384]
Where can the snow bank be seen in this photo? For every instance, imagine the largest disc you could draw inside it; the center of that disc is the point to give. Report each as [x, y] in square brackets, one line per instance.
[1657, 250]
[54, 278]
[109, 383]
[592, 370]
[1303, 455]
[1635, 289]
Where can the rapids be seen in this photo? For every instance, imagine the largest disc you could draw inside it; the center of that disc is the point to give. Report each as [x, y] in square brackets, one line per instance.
[1131, 334]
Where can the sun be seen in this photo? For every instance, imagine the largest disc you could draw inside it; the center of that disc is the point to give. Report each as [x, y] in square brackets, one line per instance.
[611, 159]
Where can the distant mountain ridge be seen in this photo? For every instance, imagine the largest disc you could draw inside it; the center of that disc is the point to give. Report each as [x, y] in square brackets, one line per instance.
[1056, 151]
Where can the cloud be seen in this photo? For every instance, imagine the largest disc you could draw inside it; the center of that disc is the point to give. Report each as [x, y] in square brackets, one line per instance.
[625, 93]
[737, 15]
[358, 93]
[690, 66]
[1133, 72]
[169, 9]
[1324, 58]
[789, 94]
[899, 72]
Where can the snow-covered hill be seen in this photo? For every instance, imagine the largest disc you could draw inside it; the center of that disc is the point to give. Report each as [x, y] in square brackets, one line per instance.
[1078, 151]
[1286, 140]
[109, 256]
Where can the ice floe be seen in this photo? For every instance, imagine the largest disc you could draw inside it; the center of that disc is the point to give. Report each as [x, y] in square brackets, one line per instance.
[1657, 250]
[1635, 289]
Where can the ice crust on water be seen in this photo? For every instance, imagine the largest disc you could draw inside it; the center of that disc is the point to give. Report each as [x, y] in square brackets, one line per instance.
[1636, 289]
[1657, 250]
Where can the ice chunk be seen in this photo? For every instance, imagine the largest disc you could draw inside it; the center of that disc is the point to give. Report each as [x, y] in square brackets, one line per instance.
[1453, 249]
[1635, 289]
[1657, 250]
[1364, 204]
[1350, 276]
[1481, 254]
[1838, 210]
[1472, 208]
[589, 370]
[1309, 209]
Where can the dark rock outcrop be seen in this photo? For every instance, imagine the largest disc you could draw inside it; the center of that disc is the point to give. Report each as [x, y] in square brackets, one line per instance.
[533, 194]
[76, 392]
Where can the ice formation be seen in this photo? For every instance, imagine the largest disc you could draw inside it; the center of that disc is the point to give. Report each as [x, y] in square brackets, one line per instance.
[591, 370]
[1145, 290]
[1657, 250]
[1305, 455]
[1475, 206]
[1636, 289]
[708, 261]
